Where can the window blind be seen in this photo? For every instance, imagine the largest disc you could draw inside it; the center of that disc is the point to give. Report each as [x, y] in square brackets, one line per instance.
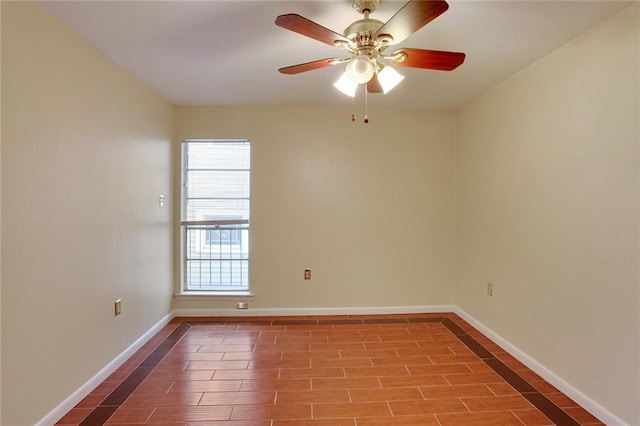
[217, 180]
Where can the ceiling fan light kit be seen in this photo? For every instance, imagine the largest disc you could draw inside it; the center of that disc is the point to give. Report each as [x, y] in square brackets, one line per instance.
[345, 85]
[366, 40]
[389, 78]
[360, 69]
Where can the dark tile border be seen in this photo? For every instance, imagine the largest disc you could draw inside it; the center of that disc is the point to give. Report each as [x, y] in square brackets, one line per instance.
[113, 401]
[548, 408]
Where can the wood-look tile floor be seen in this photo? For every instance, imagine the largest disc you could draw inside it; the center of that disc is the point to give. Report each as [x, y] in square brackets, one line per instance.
[418, 369]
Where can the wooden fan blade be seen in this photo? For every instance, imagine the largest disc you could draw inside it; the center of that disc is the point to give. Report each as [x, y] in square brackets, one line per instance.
[310, 66]
[373, 86]
[304, 26]
[429, 59]
[413, 16]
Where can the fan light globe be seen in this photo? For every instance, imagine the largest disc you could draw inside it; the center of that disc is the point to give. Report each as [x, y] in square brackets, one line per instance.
[360, 69]
[389, 78]
[346, 85]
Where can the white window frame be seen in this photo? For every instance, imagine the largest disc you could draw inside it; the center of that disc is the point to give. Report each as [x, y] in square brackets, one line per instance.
[240, 294]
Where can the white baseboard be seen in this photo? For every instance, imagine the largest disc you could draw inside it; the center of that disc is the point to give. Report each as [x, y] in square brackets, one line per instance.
[84, 390]
[312, 311]
[604, 415]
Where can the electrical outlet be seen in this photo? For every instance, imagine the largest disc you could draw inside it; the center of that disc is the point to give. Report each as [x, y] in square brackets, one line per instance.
[490, 289]
[117, 307]
[307, 274]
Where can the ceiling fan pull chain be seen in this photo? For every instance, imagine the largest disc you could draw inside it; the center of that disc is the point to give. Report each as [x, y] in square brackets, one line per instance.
[353, 108]
[366, 105]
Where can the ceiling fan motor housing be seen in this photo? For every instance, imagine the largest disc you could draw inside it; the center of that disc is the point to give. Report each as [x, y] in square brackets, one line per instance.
[362, 34]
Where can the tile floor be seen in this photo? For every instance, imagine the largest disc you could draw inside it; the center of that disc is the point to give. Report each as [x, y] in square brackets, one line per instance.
[419, 369]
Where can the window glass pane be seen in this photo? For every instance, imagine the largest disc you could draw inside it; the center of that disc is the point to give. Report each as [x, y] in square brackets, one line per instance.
[217, 257]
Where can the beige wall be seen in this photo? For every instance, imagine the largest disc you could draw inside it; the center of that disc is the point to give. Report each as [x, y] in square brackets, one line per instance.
[547, 207]
[85, 154]
[368, 208]
[0, 222]
[638, 153]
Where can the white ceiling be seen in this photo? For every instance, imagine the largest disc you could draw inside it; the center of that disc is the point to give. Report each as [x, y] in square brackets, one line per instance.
[228, 52]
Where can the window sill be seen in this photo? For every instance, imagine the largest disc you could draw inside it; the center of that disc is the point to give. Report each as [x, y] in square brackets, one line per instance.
[244, 295]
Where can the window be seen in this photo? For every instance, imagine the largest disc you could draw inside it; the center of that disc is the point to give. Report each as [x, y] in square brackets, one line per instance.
[215, 215]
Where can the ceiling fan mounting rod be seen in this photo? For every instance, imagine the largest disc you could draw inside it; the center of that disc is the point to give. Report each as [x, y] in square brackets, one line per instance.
[365, 6]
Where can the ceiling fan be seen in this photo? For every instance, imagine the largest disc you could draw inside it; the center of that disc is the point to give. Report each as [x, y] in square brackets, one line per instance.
[366, 41]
